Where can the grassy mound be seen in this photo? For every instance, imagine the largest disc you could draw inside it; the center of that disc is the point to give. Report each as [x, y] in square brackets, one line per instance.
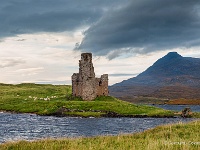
[168, 137]
[57, 100]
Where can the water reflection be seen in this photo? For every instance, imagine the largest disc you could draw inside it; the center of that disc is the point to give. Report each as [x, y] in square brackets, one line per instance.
[31, 127]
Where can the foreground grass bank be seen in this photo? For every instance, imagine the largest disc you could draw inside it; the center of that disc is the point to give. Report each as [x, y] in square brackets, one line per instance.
[180, 136]
[57, 100]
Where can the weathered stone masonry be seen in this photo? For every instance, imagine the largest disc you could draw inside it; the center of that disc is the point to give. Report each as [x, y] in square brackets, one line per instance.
[84, 83]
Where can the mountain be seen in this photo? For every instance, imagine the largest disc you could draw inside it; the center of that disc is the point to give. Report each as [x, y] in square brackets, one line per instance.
[172, 76]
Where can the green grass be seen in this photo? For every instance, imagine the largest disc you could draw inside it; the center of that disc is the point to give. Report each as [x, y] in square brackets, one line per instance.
[57, 100]
[181, 136]
[196, 115]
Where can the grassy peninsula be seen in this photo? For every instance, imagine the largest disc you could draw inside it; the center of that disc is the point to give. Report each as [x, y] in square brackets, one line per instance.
[57, 100]
[185, 136]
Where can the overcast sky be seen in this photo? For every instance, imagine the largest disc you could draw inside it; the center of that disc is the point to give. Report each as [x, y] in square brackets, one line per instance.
[41, 40]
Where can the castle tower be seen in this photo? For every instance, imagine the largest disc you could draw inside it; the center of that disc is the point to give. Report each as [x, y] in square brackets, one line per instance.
[84, 83]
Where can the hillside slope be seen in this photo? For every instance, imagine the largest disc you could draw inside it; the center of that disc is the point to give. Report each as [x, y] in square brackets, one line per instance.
[172, 76]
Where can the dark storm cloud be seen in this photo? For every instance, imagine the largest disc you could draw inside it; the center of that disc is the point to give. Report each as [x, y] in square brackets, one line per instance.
[29, 16]
[144, 26]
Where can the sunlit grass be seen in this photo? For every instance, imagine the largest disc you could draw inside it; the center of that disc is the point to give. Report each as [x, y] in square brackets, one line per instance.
[53, 99]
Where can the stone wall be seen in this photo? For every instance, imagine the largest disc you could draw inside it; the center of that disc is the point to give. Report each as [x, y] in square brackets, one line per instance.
[84, 83]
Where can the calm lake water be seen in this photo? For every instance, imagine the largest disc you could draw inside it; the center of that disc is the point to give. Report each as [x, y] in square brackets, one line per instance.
[194, 108]
[31, 127]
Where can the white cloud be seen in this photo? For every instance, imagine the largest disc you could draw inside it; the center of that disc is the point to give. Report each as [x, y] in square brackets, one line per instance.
[10, 61]
[29, 71]
[39, 57]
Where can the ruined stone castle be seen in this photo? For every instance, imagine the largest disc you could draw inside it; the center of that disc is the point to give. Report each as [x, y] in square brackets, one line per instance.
[84, 83]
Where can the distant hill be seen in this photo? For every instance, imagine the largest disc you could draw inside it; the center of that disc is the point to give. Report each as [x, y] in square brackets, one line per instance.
[172, 76]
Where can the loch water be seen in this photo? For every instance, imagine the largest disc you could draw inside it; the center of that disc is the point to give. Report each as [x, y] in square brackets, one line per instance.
[14, 127]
